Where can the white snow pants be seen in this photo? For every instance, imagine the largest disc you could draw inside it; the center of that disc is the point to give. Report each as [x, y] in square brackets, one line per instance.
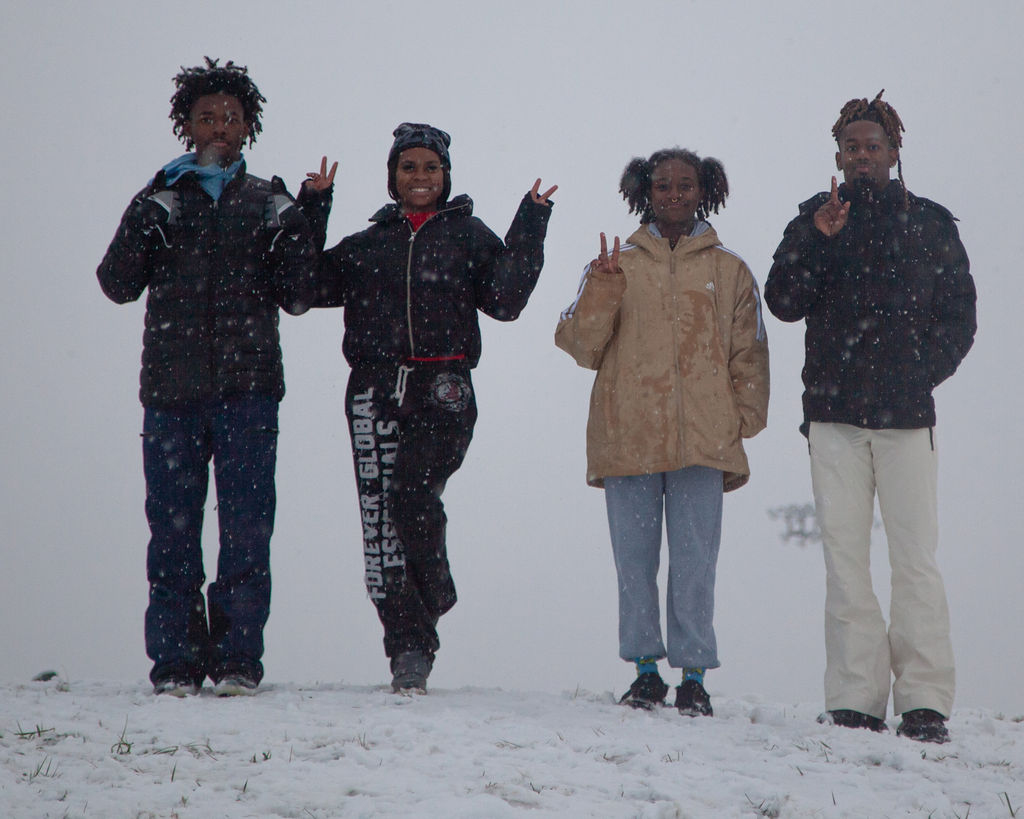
[848, 466]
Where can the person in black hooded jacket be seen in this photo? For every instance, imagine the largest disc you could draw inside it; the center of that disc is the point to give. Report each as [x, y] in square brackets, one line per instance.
[888, 300]
[882, 280]
[411, 285]
[220, 251]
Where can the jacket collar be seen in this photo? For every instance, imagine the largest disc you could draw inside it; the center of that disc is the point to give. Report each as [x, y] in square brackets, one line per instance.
[658, 246]
[890, 196]
[461, 205]
[160, 180]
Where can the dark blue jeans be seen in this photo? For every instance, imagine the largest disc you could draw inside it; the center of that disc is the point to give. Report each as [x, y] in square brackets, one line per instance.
[240, 436]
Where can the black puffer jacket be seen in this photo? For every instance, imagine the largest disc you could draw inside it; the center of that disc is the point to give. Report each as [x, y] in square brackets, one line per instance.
[889, 304]
[217, 271]
[417, 294]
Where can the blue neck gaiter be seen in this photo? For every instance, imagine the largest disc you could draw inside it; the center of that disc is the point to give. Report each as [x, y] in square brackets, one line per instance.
[212, 177]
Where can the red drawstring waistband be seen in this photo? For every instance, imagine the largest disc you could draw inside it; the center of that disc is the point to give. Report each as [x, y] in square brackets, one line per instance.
[436, 358]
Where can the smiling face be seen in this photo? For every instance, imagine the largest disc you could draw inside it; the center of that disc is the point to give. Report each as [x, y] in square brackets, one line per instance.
[865, 155]
[419, 180]
[675, 196]
[218, 128]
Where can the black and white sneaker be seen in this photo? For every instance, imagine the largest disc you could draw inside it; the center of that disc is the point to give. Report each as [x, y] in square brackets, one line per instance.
[235, 685]
[409, 672]
[692, 700]
[175, 687]
[647, 691]
[848, 718]
[924, 725]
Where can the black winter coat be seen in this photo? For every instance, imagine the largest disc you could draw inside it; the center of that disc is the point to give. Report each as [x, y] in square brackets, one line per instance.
[416, 295]
[217, 271]
[889, 303]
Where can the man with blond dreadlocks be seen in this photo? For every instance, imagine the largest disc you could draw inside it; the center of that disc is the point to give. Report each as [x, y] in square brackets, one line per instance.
[881, 279]
[219, 251]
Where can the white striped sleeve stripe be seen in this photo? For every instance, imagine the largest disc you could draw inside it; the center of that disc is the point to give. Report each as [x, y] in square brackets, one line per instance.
[757, 292]
[568, 311]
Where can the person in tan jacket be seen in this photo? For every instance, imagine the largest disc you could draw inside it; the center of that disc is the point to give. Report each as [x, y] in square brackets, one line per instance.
[672, 323]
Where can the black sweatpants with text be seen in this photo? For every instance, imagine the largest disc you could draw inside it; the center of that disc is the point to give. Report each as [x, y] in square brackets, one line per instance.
[410, 428]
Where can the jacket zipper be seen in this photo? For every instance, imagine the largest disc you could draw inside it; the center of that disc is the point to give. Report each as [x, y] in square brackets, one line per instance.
[408, 276]
[674, 294]
[211, 297]
[408, 292]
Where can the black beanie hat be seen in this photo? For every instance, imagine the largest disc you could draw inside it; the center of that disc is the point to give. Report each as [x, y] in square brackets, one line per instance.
[420, 135]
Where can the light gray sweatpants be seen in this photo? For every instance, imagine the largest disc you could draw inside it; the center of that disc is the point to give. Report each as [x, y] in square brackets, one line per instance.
[848, 466]
[690, 500]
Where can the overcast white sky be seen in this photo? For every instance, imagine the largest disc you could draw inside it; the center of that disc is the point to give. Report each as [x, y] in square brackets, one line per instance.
[566, 91]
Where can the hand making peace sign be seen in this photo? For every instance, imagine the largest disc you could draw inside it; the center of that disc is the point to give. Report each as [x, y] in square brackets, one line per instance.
[604, 264]
[323, 180]
[542, 198]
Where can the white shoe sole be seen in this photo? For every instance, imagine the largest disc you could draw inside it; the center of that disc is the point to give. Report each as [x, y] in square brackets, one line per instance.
[176, 690]
[233, 688]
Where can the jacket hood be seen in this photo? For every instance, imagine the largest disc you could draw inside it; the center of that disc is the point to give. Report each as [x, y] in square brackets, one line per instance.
[391, 212]
[658, 247]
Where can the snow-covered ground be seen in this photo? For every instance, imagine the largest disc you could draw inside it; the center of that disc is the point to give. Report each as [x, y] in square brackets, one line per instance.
[71, 748]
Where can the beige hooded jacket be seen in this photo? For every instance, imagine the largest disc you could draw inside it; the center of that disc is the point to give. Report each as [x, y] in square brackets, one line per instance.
[681, 356]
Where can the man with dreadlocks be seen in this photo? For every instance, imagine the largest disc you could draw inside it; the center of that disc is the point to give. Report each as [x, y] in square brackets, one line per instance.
[220, 251]
[881, 279]
[672, 323]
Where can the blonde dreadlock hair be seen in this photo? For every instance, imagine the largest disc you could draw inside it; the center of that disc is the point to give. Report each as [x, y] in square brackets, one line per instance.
[883, 114]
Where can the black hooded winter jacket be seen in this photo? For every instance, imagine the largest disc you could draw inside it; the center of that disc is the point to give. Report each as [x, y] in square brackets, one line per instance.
[217, 272]
[889, 303]
[416, 295]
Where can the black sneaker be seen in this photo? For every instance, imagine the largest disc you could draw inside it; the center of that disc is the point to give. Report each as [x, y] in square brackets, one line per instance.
[647, 691]
[924, 725]
[692, 700]
[409, 672]
[848, 718]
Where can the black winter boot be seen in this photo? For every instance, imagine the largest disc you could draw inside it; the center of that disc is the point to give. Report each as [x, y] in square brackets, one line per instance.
[924, 725]
[409, 672]
[848, 718]
[647, 691]
[692, 700]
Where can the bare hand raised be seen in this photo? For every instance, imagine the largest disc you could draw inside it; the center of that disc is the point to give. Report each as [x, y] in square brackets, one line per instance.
[323, 180]
[831, 217]
[541, 198]
[604, 264]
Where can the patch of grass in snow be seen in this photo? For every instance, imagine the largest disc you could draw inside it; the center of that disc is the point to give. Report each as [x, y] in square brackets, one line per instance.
[47, 768]
[362, 741]
[46, 736]
[770, 807]
[122, 747]
[197, 749]
[38, 731]
[817, 745]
